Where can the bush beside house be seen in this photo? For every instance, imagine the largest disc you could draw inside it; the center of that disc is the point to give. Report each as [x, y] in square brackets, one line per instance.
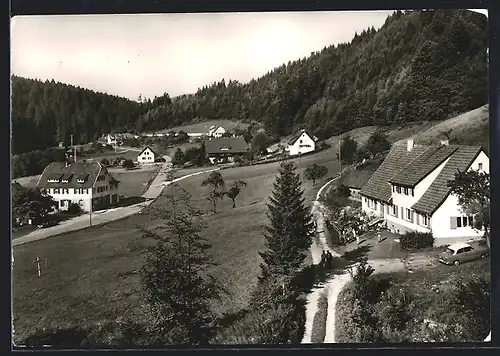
[416, 240]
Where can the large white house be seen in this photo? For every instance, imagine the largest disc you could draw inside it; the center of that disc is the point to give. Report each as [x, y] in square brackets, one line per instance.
[409, 190]
[216, 131]
[79, 183]
[147, 156]
[301, 143]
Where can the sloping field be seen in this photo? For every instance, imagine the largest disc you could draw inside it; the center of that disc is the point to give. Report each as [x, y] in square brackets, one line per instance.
[86, 279]
[203, 127]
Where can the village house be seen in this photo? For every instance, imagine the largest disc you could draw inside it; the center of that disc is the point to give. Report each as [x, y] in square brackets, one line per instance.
[147, 156]
[409, 190]
[216, 131]
[355, 180]
[301, 143]
[225, 149]
[83, 183]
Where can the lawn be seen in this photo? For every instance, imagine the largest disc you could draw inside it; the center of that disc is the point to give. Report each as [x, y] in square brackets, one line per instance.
[134, 183]
[83, 285]
[111, 155]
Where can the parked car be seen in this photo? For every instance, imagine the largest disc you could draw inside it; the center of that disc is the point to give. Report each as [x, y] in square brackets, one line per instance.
[463, 252]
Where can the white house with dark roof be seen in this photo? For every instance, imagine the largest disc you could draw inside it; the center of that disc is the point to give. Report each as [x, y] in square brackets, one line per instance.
[301, 143]
[216, 131]
[80, 183]
[147, 156]
[409, 190]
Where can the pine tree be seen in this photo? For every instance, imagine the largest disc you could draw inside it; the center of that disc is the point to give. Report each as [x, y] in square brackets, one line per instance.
[175, 275]
[289, 235]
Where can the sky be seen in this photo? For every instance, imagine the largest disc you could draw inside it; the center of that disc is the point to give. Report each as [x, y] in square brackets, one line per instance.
[129, 55]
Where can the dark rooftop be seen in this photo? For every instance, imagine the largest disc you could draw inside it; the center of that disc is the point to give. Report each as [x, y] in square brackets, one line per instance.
[438, 191]
[87, 172]
[226, 145]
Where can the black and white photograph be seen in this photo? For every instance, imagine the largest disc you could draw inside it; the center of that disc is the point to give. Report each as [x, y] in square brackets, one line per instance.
[250, 178]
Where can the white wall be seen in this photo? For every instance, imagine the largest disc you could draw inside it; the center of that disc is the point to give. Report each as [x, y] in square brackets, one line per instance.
[377, 209]
[74, 197]
[440, 222]
[407, 201]
[143, 157]
[298, 146]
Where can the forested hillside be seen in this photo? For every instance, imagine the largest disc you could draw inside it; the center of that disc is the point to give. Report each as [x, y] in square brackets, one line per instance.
[46, 113]
[421, 65]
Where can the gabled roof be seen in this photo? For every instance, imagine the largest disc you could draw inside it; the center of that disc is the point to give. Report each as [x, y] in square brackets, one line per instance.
[75, 170]
[357, 179]
[145, 148]
[378, 186]
[295, 137]
[422, 165]
[438, 191]
[226, 145]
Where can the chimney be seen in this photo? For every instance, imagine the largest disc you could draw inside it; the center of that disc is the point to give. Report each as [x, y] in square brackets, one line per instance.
[410, 145]
[445, 142]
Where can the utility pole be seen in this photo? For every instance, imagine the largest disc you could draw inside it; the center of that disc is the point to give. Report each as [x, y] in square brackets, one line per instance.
[340, 163]
[90, 211]
[73, 147]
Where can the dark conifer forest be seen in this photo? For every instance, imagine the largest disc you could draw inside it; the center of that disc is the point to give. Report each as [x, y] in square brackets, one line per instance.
[420, 65]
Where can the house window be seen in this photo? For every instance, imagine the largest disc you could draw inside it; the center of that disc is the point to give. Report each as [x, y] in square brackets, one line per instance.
[56, 190]
[480, 166]
[300, 142]
[398, 189]
[406, 191]
[425, 220]
[392, 210]
[464, 221]
[65, 191]
[409, 215]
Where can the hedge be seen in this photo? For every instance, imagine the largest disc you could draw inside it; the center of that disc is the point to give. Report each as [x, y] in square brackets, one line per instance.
[416, 240]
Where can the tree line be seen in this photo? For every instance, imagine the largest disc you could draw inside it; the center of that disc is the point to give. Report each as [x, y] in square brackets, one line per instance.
[420, 65]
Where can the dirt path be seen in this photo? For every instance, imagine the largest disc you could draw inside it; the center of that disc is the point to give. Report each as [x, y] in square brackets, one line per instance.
[336, 283]
[317, 248]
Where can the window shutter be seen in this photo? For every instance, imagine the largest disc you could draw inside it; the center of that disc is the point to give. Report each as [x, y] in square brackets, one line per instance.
[402, 212]
[453, 222]
[411, 215]
[418, 219]
[396, 211]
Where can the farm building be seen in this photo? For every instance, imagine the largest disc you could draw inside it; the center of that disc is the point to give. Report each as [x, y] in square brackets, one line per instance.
[301, 143]
[79, 183]
[225, 149]
[355, 180]
[409, 190]
[147, 156]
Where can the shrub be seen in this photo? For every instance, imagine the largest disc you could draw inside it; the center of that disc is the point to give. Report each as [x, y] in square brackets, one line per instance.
[416, 240]
[74, 337]
[280, 325]
[75, 209]
[319, 321]
[128, 164]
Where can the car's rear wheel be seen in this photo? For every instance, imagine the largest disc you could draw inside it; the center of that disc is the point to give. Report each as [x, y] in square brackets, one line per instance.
[456, 263]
